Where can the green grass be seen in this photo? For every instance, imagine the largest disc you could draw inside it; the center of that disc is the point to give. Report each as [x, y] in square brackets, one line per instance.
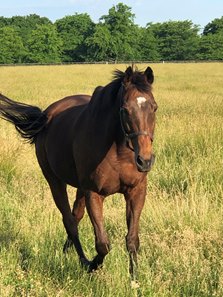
[181, 227]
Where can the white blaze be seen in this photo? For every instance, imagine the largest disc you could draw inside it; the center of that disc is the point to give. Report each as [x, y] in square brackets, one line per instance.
[140, 101]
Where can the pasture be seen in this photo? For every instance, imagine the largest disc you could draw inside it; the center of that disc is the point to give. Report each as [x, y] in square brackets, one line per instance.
[181, 227]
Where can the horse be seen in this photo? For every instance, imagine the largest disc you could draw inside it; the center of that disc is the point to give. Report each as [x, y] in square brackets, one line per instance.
[99, 144]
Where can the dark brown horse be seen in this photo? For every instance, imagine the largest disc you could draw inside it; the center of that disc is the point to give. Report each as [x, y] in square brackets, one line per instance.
[101, 145]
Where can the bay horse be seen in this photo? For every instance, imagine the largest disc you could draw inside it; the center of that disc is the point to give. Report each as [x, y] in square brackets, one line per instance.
[101, 145]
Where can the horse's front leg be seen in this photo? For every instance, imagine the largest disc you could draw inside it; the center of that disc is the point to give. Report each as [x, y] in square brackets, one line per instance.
[135, 198]
[94, 205]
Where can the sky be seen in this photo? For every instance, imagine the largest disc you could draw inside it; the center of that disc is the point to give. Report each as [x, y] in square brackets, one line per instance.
[200, 12]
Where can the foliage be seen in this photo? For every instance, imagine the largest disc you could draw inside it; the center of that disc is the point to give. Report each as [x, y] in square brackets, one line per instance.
[211, 47]
[177, 40]
[216, 26]
[24, 24]
[11, 46]
[44, 45]
[147, 45]
[74, 30]
[211, 41]
[115, 37]
[99, 44]
[120, 22]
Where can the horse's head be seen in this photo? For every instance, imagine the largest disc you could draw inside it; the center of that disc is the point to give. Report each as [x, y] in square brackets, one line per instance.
[137, 115]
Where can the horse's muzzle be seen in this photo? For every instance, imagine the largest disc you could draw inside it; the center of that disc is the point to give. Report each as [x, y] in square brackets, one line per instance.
[144, 165]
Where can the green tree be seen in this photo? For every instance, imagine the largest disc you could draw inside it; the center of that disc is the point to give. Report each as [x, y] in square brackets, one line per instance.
[147, 45]
[123, 32]
[177, 40]
[211, 41]
[4, 22]
[74, 30]
[211, 47]
[11, 46]
[99, 44]
[25, 24]
[214, 27]
[44, 45]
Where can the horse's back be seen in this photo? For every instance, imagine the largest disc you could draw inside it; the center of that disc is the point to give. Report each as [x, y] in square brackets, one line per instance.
[61, 105]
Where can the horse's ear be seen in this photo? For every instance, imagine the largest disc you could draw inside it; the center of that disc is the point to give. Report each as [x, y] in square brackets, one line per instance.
[149, 75]
[128, 74]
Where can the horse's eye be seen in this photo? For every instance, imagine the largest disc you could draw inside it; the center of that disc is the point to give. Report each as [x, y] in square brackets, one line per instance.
[128, 128]
[125, 119]
[125, 111]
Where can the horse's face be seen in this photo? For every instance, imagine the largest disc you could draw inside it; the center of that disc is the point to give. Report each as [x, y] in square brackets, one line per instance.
[138, 117]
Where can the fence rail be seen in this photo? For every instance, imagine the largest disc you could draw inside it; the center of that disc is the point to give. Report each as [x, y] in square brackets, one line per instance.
[112, 62]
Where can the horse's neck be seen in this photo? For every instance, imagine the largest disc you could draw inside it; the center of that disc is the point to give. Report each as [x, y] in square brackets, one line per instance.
[104, 110]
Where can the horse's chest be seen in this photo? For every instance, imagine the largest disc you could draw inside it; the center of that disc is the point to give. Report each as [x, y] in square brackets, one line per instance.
[112, 177]
[105, 179]
[115, 173]
[130, 176]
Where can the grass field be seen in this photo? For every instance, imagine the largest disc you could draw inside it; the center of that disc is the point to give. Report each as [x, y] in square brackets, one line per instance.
[181, 228]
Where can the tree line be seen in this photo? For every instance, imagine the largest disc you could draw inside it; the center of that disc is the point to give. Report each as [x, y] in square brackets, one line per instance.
[76, 38]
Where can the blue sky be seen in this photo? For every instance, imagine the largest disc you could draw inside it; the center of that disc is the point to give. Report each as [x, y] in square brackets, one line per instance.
[200, 12]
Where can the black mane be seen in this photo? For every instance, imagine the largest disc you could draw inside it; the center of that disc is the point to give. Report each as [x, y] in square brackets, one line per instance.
[138, 80]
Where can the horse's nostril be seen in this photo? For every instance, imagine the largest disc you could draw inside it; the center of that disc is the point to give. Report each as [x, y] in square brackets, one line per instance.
[144, 165]
[140, 161]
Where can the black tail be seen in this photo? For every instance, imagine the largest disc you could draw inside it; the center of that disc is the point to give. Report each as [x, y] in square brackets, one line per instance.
[28, 120]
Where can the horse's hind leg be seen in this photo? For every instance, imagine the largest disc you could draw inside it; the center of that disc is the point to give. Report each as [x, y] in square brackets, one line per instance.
[94, 204]
[59, 193]
[78, 213]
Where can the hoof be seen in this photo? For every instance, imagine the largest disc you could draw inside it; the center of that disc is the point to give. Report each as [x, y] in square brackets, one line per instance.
[85, 263]
[95, 264]
[90, 266]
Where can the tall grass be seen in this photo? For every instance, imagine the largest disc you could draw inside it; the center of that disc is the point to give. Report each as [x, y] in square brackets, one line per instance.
[181, 226]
